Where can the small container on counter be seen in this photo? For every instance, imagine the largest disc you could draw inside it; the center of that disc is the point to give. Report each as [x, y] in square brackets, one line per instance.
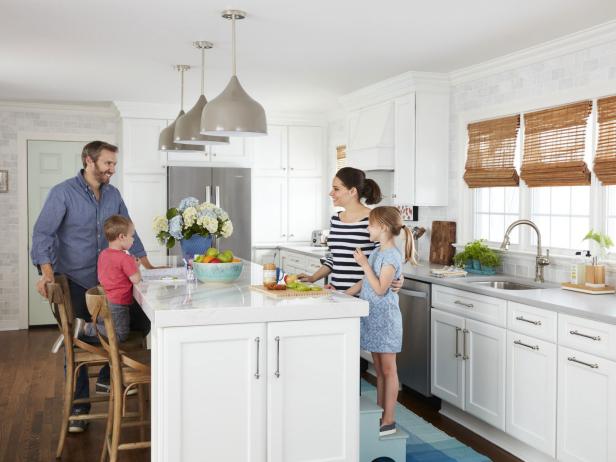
[269, 273]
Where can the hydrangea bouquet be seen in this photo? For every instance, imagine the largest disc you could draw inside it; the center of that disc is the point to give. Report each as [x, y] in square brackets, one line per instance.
[189, 219]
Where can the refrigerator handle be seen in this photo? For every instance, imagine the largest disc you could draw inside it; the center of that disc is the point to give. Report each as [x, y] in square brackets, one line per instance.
[217, 196]
[208, 193]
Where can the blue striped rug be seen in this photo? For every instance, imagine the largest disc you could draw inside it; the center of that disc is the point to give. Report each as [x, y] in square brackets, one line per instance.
[426, 443]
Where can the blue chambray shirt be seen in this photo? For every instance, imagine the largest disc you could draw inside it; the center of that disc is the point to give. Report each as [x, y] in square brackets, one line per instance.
[69, 230]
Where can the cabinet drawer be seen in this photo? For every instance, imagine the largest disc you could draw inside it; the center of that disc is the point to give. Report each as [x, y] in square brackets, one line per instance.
[533, 321]
[587, 335]
[291, 259]
[475, 306]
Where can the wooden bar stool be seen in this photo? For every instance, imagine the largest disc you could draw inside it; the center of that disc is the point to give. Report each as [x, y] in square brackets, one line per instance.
[78, 354]
[127, 373]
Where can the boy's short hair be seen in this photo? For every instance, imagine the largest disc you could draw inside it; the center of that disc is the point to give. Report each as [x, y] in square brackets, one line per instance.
[116, 225]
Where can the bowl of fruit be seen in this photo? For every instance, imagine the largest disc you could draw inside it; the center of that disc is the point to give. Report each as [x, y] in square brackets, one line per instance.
[215, 266]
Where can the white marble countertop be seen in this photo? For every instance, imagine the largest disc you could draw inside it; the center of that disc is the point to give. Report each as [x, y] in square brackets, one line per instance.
[310, 250]
[551, 296]
[178, 303]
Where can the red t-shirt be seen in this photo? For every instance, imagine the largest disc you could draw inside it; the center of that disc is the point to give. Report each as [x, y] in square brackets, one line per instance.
[114, 269]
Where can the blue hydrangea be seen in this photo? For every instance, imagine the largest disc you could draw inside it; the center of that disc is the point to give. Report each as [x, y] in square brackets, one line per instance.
[221, 214]
[207, 213]
[188, 202]
[175, 226]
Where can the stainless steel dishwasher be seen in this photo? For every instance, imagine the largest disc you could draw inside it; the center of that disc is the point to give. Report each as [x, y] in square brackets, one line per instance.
[414, 359]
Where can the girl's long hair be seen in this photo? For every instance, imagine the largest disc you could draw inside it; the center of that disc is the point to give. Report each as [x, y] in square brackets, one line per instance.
[390, 218]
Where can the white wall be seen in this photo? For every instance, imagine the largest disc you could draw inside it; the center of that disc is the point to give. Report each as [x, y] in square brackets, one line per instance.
[16, 120]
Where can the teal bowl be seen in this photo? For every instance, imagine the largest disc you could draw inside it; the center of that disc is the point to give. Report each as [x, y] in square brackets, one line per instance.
[218, 272]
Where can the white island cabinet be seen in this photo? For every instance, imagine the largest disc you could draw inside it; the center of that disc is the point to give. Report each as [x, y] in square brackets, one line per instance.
[240, 376]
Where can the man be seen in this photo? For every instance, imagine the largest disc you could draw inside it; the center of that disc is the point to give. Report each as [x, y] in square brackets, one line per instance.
[68, 237]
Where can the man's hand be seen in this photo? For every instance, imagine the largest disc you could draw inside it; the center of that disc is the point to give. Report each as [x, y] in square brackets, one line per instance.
[396, 284]
[47, 277]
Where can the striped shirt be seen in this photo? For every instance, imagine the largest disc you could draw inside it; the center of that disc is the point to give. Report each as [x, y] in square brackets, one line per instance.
[342, 241]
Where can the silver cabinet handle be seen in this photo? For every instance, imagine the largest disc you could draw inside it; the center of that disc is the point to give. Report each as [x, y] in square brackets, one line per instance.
[465, 356]
[457, 342]
[573, 360]
[258, 340]
[284, 169]
[468, 305]
[595, 338]
[277, 373]
[522, 318]
[532, 347]
[291, 235]
[292, 168]
[282, 235]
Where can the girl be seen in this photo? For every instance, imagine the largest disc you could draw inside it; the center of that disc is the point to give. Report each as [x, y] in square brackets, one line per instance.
[381, 330]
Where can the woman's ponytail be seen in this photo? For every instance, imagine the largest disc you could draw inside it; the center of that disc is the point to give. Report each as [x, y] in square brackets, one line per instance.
[371, 192]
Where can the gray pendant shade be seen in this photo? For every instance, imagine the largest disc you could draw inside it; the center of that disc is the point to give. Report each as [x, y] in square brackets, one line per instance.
[233, 113]
[187, 127]
[166, 140]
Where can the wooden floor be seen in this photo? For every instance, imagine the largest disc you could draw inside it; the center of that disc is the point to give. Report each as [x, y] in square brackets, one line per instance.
[31, 381]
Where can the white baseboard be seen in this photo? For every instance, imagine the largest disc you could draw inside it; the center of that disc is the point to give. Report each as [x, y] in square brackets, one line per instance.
[494, 435]
[9, 325]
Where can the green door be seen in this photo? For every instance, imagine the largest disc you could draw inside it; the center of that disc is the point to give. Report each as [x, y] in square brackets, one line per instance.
[49, 163]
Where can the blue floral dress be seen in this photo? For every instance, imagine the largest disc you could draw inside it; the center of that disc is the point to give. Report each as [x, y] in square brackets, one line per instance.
[381, 330]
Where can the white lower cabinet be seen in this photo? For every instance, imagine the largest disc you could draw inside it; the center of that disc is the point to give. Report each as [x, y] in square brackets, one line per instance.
[468, 366]
[586, 407]
[531, 391]
[281, 389]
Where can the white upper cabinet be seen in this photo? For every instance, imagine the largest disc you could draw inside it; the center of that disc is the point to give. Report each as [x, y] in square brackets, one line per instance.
[305, 151]
[233, 154]
[139, 153]
[402, 125]
[270, 151]
[305, 198]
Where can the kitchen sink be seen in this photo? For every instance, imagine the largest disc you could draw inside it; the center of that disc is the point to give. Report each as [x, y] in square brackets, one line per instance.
[506, 285]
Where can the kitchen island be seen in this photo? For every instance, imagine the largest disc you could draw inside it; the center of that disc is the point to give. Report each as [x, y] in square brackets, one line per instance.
[240, 376]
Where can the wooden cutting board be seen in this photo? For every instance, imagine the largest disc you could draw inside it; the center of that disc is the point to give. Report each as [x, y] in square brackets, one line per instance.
[290, 293]
[588, 290]
[441, 242]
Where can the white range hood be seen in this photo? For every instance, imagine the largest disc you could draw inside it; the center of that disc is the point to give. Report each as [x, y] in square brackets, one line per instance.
[371, 137]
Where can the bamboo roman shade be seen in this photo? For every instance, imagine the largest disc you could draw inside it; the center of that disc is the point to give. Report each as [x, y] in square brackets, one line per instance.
[491, 151]
[605, 157]
[554, 146]
[340, 156]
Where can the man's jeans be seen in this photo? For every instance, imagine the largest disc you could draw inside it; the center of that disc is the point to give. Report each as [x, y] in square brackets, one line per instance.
[138, 321]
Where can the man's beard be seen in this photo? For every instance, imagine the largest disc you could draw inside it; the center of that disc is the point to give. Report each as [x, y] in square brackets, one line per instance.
[100, 175]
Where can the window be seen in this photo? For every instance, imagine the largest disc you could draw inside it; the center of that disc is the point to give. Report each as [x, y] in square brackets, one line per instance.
[495, 209]
[340, 157]
[562, 213]
[611, 213]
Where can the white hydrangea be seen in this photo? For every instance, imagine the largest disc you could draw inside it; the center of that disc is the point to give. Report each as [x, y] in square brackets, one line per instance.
[160, 224]
[190, 216]
[206, 206]
[227, 228]
[221, 214]
[209, 223]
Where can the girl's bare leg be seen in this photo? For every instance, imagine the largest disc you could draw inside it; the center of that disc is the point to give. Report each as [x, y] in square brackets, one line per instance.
[390, 389]
[380, 384]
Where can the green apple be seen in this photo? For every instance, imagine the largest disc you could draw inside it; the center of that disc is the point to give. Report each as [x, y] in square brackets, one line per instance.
[212, 252]
[225, 256]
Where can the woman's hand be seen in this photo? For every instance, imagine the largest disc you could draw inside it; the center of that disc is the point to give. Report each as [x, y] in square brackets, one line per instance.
[329, 287]
[396, 284]
[303, 277]
[360, 258]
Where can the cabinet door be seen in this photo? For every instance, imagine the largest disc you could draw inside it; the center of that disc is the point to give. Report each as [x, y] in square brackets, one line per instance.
[447, 362]
[305, 200]
[269, 205]
[146, 197]
[305, 151]
[270, 152]
[485, 372]
[404, 150]
[586, 407]
[313, 390]
[531, 391]
[213, 379]
[140, 145]
[234, 152]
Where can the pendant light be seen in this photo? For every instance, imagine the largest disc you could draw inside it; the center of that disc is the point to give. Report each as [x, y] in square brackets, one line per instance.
[233, 112]
[188, 126]
[165, 140]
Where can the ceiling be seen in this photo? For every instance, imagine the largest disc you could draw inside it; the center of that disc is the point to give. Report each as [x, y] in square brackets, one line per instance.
[292, 55]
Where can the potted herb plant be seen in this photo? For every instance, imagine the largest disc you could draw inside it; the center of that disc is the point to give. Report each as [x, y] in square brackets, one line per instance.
[478, 258]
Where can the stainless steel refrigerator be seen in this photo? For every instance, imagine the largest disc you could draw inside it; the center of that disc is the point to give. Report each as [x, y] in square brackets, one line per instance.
[228, 188]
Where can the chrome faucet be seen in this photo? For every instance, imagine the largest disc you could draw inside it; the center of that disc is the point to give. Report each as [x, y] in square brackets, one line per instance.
[541, 260]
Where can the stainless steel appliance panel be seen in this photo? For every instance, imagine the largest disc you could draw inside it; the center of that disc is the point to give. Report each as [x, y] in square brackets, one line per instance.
[414, 360]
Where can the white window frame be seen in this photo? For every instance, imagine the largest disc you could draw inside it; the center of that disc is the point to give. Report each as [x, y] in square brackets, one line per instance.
[598, 193]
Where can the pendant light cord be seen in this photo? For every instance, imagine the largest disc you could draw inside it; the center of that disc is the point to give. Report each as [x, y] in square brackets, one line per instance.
[182, 88]
[233, 41]
[202, 71]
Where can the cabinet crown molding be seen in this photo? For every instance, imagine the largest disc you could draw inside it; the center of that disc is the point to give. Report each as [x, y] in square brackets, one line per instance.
[394, 87]
[141, 110]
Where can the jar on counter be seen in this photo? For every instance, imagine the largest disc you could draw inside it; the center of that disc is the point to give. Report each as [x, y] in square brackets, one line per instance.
[269, 273]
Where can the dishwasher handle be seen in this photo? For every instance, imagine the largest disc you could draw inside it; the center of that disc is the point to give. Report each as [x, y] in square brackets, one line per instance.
[413, 293]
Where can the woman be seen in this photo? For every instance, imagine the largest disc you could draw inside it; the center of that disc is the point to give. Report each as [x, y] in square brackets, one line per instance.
[348, 230]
